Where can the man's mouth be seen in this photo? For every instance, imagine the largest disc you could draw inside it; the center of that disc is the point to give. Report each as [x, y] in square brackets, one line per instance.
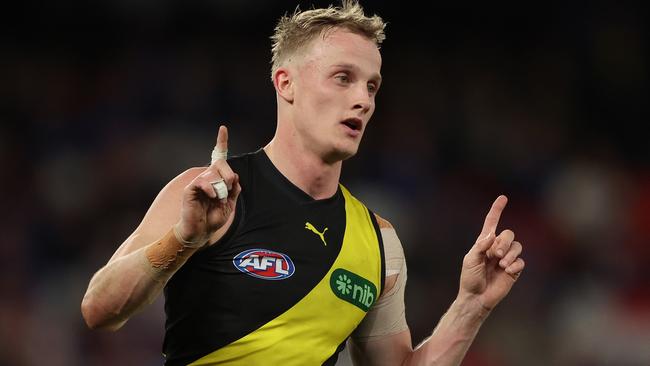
[355, 124]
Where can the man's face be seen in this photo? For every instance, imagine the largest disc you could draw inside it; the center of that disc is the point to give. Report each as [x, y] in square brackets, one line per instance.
[334, 93]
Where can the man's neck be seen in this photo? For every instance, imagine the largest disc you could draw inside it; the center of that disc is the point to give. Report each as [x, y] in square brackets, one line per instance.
[305, 169]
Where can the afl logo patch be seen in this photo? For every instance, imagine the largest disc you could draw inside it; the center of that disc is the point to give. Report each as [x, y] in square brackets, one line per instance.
[264, 264]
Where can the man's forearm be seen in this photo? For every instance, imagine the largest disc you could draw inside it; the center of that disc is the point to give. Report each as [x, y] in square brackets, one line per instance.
[126, 285]
[453, 335]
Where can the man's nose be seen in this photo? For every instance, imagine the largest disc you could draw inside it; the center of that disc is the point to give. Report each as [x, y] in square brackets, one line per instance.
[363, 100]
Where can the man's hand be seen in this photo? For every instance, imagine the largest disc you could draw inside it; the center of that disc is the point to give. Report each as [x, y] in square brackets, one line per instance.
[202, 212]
[492, 265]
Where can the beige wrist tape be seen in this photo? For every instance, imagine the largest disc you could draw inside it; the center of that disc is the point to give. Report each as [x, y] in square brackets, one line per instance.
[168, 252]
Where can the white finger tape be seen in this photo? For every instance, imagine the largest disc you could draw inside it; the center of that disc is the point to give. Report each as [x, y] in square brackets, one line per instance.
[220, 189]
[216, 155]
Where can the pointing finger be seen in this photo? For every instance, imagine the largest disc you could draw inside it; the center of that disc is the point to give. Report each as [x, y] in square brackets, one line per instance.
[221, 148]
[222, 139]
[493, 216]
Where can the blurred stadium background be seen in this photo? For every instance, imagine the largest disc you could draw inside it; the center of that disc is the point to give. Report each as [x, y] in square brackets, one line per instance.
[104, 102]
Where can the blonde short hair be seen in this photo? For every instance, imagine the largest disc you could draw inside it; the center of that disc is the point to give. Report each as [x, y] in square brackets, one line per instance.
[296, 31]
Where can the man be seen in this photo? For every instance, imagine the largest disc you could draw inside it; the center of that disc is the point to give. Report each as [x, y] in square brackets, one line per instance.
[272, 260]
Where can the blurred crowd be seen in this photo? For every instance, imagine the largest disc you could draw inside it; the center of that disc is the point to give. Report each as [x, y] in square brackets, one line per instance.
[102, 104]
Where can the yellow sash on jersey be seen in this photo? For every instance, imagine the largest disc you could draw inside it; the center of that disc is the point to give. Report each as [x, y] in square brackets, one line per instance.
[309, 332]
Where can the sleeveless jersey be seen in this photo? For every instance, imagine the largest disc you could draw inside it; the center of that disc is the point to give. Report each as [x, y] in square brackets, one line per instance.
[286, 285]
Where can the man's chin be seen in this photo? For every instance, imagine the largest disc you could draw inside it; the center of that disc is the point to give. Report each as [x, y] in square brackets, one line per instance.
[340, 154]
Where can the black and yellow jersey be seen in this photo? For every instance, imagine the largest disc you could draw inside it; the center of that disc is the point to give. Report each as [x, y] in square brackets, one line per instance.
[286, 285]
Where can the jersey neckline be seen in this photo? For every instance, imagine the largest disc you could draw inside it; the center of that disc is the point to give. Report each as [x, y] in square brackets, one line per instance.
[287, 186]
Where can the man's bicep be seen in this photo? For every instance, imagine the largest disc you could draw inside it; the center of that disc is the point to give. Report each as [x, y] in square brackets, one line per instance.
[387, 315]
[383, 337]
[390, 350]
[161, 215]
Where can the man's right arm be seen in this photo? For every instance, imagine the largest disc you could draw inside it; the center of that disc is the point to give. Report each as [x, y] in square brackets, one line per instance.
[128, 281]
[185, 215]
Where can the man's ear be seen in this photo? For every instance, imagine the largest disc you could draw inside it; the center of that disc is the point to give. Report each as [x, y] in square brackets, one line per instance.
[283, 82]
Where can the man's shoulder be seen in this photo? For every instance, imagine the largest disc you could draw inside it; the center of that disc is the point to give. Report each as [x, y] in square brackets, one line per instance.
[382, 222]
[234, 161]
[245, 156]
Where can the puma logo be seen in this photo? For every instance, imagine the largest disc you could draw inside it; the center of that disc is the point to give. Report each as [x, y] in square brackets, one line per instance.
[311, 228]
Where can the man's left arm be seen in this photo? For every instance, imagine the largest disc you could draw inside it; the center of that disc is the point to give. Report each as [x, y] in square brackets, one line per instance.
[489, 271]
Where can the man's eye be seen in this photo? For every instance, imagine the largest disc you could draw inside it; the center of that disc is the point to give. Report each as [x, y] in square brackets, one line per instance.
[372, 88]
[342, 78]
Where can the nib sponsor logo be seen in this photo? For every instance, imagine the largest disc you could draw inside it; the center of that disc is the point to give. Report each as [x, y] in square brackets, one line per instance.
[353, 288]
[264, 264]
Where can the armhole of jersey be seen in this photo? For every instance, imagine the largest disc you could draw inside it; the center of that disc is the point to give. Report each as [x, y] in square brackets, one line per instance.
[375, 224]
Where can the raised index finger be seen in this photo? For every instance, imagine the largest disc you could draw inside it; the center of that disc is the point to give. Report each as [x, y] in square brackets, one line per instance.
[220, 151]
[493, 216]
[222, 139]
